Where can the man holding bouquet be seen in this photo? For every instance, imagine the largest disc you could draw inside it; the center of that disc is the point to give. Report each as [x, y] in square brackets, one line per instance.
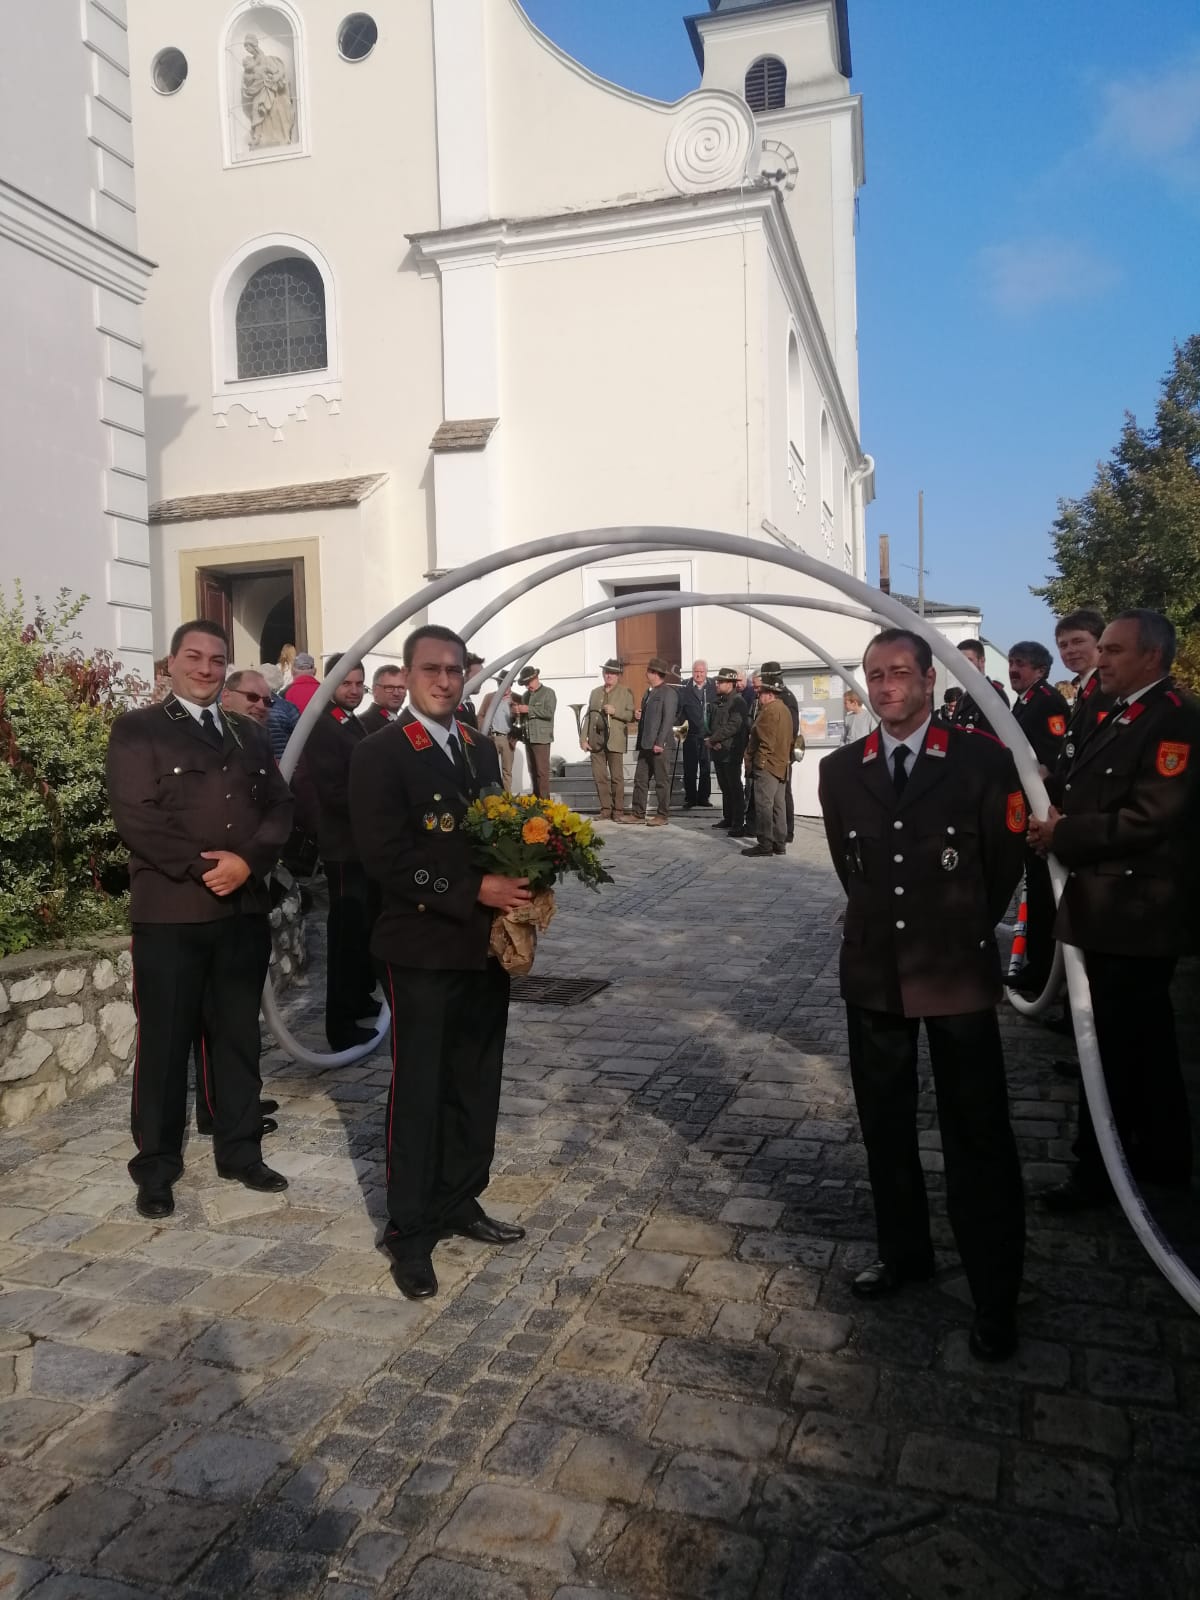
[410, 789]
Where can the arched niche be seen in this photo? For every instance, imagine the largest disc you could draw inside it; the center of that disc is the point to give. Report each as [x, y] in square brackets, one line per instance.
[264, 84]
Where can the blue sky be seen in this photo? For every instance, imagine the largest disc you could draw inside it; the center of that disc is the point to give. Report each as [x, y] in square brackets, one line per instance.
[1029, 251]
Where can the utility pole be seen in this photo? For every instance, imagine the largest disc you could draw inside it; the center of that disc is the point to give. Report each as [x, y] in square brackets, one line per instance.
[921, 552]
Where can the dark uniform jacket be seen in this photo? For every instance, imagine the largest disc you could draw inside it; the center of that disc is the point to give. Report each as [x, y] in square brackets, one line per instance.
[1129, 832]
[730, 728]
[967, 713]
[174, 795]
[929, 873]
[660, 714]
[1087, 712]
[696, 703]
[1043, 714]
[332, 742]
[375, 718]
[407, 803]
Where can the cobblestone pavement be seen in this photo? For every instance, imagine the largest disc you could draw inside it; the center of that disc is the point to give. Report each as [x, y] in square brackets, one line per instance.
[665, 1391]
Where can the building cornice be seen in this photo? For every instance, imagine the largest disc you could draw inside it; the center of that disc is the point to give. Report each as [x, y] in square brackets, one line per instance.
[652, 222]
[70, 244]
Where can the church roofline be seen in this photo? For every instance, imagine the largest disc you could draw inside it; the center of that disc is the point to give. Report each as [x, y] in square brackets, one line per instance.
[740, 8]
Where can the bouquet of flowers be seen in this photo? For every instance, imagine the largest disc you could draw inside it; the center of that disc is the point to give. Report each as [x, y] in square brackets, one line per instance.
[521, 836]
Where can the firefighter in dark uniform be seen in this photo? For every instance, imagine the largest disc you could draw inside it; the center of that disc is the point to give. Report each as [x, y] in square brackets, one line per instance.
[728, 735]
[966, 713]
[1127, 832]
[926, 827]
[1042, 715]
[1077, 638]
[410, 788]
[197, 798]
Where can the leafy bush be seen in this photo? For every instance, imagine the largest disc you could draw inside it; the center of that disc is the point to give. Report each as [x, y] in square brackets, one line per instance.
[62, 866]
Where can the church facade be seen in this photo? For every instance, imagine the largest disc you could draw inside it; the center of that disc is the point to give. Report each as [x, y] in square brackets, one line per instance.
[427, 288]
[72, 445]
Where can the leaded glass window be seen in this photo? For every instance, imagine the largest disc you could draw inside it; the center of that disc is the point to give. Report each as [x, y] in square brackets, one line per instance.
[281, 320]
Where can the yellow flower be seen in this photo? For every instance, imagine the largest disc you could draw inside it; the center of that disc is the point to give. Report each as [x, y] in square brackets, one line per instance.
[536, 831]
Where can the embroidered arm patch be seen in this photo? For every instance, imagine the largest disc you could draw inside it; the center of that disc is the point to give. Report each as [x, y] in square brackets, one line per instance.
[1015, 813]
[1172, 758]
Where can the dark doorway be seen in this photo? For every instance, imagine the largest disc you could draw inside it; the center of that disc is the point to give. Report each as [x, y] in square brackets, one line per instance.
[640, 638]
[279, 628]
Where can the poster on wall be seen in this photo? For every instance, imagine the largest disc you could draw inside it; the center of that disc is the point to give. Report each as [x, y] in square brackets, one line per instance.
[821, 687]
[814, 722]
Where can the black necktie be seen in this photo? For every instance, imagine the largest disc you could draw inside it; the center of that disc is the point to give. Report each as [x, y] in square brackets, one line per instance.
[211, 732]
[899, 771]
[459, 756]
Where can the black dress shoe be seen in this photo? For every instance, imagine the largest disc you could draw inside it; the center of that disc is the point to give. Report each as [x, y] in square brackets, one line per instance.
[487, 1230]
[739, 833]
[1071, 1196]
[268, 1107]
[759, 850]
[155, 1201]
[705, 805]
[1026, 983]
[883, 1278]
[415, 1277]
[721, 824]
[993, 1338]
[256, 1176]
[779, 849]
[1065, 1069]
[269, 1125]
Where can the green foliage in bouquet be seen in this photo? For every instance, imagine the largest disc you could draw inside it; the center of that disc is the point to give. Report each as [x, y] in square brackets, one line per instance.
[521, 836]
[62, 866]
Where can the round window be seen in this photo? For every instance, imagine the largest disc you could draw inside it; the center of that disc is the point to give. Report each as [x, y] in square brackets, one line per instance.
[357, 36]
[170, 70]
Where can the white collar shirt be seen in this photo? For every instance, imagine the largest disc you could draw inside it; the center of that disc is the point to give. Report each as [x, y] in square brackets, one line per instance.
[196, 711]
[915, 743]
[1144, 690]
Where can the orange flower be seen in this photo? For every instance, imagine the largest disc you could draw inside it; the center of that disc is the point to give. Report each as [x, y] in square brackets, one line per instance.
[536, 831]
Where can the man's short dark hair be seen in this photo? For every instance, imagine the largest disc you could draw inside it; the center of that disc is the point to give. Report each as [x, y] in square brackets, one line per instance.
[1036, 654]
[197, 625]
[388, 670]
[918, 646]
[332, 661]
[1085, 620]
[973, 647]
[1155, 632]
[432, 630]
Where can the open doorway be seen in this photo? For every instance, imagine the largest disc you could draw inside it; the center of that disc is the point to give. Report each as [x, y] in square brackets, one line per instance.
[640, 638]
[260, 606]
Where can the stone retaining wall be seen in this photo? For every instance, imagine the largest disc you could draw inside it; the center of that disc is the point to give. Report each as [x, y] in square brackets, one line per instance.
[67, 1023]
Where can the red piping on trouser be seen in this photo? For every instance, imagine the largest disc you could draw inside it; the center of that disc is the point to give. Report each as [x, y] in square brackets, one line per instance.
[392, 1108]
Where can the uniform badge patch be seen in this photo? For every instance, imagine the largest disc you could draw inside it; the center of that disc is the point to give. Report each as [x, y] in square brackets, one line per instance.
[1172, 759]
[421, 878]
[441, 886]
[429, 822]
[446, 822]
[1057, 726]
[1069, 751]
[949, 858]
[417, 736]
[1015, 813]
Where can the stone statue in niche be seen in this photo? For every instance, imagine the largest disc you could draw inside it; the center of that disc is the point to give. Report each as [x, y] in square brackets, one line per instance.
[267, 97]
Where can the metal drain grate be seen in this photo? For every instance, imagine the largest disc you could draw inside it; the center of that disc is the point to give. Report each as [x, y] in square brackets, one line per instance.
[532, 991]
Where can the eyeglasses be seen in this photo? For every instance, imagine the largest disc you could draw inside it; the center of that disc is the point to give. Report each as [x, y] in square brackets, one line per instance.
[254, 699]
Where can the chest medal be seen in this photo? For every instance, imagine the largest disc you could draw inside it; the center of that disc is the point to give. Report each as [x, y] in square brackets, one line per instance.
[429, 822]
[949, 858]
[447, 823]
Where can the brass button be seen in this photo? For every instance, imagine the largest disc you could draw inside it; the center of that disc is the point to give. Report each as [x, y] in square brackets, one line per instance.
[420, 908]
[900, 925]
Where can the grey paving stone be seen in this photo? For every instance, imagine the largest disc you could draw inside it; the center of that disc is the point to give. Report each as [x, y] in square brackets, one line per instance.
[212, 1466]
[527, 1526]
[1125, 1377]
[19, 1574]
[942, 1465]
[288, 1410]
[607, 1350]
[1037, 1362]
[647, 1310]
[23, 1493]
[708, 1423]
[705, 1364]
[838, 1444]
[706, 1486]
[573, 1401]
[375, 1554]
[1167, 1504]
[655, 1551]
[74, 1586]
[1078, 1424]
[836, 1516]
[947, 1566]
[607, 1469]
[528, 1448]
[25, 1422]
[76, 1528]
[833, 1576]
[811, 1330]
[70, 1372]
[247, 1346]
[654, 1269]
[184, 1391]
[436, 1579]
[1065, 1488]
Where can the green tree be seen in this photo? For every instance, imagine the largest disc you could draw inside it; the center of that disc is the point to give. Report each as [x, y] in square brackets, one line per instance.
[1134, 538]
[62, 866]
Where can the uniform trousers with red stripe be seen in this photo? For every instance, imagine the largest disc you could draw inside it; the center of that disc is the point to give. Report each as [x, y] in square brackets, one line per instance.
[448, 1031]
[194, 978]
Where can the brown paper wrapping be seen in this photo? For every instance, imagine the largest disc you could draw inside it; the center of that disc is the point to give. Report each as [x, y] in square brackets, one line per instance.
[514, 934]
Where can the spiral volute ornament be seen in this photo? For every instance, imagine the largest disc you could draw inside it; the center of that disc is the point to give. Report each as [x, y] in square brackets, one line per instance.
[710, 145]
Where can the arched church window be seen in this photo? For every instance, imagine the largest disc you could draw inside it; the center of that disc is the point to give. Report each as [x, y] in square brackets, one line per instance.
[766, 84]
[281, 320]
[264, 109]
